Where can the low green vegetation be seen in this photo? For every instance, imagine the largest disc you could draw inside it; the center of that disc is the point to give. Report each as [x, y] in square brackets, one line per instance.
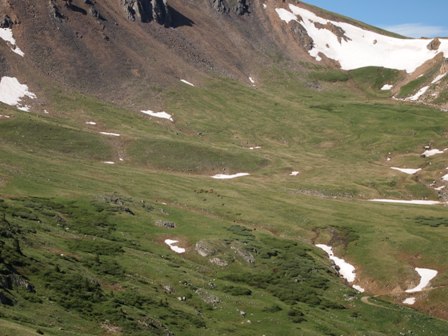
[82, 242]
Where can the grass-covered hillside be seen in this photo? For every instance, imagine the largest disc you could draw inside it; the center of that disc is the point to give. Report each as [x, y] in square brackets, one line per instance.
[83, 240]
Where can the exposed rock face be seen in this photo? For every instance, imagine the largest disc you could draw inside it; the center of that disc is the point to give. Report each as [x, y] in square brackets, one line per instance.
[148, 10]
[434, 44]
[55, 11]
[161, 12]
[301, 35]
[220, 6]
[12, 281]
[242, 7]
[6, 22]
[338, 31]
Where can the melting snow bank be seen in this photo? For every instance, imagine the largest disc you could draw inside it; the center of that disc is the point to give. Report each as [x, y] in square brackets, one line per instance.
[12, 92]
[432, 152]
[387, 87]
[228, 177]
[409, 171]
[438, 78]
[162, 115]
[420, 93]
[409, 301]
[294, 173]
[90, 123]
[354, 47]
[420, 202]
[173, 246]
[109, 162]
[346, 270]
[426, 275]
[6, 35]
[186, 82]
[110, 134]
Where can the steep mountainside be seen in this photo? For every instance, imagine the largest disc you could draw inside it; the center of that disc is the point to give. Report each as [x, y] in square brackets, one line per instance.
[219, 167]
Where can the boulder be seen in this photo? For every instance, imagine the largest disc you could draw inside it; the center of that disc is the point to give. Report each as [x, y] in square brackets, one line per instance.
[207, 297]
[219, 262]
[204, 248]
[165, 224]
[242, 252]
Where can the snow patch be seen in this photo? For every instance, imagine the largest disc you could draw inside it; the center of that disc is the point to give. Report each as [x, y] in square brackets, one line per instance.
[110, 134]
[255, 147]
[228, 177]
[252, 80]
[426, 275]
[90, 123]
[432, 152]
[438, 78]
[12, 92]
[419, 202]
[285, 15]
[294, 173]
[162, 115]
[346, 270]
[420, 93]
[109, 162]
[408, 171]
[445, 177]
[387, 87]
[187, 82]
[409, 301]
[442, 187]
[173, 246]
[7, 36]
[355, 49]
[359, 288]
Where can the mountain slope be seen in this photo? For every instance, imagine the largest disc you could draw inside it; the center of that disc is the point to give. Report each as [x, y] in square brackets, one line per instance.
[135, 203]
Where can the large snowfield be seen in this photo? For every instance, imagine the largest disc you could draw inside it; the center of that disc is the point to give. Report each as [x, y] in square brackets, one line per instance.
[359, 47]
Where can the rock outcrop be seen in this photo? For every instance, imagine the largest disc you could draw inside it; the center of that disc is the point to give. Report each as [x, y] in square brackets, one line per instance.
[301, 35]
[148, 10]
[241, 8]
[55, 11]
[338, 31]
[434, 44]
[6, 22]
[220, 6]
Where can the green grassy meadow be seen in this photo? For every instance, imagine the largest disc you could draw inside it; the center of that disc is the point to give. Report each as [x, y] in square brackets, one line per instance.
[84, 233]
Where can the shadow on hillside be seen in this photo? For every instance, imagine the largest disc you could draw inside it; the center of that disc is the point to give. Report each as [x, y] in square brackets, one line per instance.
[77, 9]
[178, 19]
